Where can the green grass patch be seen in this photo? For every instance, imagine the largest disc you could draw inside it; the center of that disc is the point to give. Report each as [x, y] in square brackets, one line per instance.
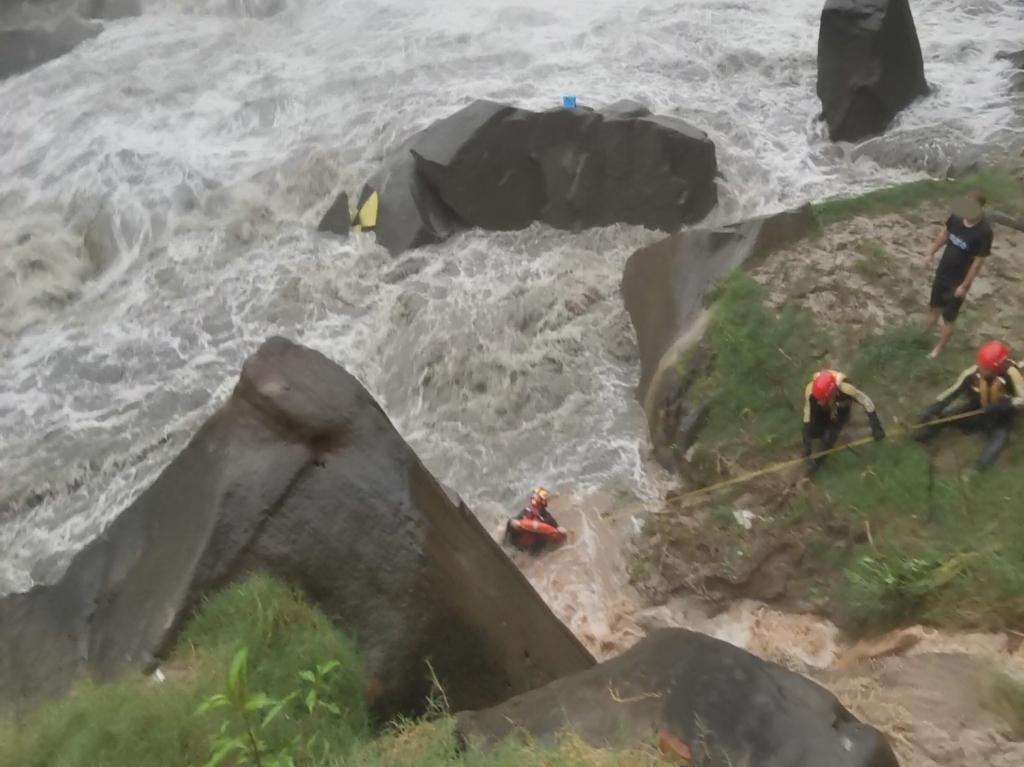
[760, 359]
[435, 744]
[872, 264]
[138, 722]
[947, 544]
[261, 644]
[1002, 190]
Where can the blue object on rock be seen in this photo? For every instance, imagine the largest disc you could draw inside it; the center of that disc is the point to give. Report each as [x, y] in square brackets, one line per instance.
[569, 102]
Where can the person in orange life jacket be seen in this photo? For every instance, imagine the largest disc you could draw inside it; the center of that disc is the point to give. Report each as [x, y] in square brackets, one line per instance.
[536, 508]
[827, 402]
[995, 386]
[967, 238]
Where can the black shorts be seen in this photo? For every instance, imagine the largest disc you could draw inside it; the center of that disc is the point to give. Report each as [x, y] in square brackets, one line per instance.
[944, 298]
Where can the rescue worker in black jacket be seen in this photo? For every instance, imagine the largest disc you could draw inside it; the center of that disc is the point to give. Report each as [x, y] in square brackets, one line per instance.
[995, 387]
[827, 402]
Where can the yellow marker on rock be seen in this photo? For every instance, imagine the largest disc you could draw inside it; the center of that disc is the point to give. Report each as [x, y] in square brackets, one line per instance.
[365, 217]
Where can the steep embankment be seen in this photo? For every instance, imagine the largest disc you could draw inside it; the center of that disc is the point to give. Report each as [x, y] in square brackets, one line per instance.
[887, 535]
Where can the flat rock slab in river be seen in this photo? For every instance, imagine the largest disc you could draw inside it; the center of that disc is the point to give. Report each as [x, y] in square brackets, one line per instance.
[300, 475]
[727, 707]
[501, 168]
[869, 65]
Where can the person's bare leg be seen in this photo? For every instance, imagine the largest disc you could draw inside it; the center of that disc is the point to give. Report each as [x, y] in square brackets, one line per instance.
[944, 336]
[933, 317]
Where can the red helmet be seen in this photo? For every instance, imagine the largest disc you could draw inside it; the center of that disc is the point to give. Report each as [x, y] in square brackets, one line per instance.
[539, 498]
[824, 385]
[993, 355]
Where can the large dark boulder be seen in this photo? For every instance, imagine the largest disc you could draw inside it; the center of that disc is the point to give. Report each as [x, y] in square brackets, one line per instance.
[498, 167]
[300, 475]
[869, 65]
[726, 706]
[26, 46]
[664, 286]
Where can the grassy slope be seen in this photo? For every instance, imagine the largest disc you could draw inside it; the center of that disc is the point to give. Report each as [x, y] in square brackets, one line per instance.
[140, 723]
[1003, 191]
[944, 546]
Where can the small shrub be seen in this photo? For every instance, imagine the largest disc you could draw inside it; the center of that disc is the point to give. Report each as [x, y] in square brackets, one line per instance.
[884, 588]
[872, 264]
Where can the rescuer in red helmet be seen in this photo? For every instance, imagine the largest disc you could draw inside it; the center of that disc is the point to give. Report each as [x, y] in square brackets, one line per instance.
[827, 402]
[536, 510]
[993, 385]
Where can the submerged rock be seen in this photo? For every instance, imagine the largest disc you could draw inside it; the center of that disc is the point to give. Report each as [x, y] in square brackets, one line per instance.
[498, 167]
[869, 65]
[34, 42]
[1016, 60]
[717, 702]
[109, 10]
[300, 475]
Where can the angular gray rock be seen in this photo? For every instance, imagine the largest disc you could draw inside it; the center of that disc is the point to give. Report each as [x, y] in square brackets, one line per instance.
[726, 705]
[301, 475]
[409, 213]
[869, 65]
[498, 167]
[663, 286]
[34, 42]
[337, 219]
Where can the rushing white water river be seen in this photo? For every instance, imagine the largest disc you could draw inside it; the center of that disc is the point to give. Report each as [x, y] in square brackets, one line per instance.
[160, 188]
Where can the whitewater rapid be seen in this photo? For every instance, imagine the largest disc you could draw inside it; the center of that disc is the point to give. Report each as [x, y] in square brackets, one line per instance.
[160, 188]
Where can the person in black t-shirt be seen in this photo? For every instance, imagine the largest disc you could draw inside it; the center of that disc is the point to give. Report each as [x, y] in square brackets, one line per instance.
[968, 240]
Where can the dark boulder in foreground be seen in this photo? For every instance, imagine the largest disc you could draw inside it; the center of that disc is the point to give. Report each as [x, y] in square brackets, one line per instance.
[498, 167]
[664, 286]
[869, 65]
[723, 704]
[26, 46]
[300, 475]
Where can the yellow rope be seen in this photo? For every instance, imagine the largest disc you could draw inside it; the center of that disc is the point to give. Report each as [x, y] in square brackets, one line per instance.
[795, 461]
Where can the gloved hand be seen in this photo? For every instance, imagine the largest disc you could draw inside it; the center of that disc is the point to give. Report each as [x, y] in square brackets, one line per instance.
[876, 427]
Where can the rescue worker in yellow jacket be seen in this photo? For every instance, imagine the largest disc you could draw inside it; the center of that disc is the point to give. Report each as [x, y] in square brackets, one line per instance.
[995, 387]
[827, 402]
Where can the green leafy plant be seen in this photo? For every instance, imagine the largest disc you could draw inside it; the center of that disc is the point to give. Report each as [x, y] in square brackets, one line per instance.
[243, 735]
[250, 714]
